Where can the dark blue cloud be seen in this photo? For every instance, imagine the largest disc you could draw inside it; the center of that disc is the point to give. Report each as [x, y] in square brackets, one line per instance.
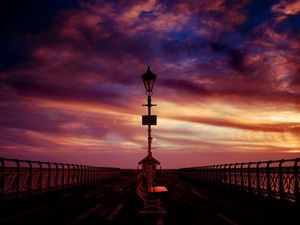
[257, 12]
[13, 52]
[290, 25]
[19, 18]
[30, 16]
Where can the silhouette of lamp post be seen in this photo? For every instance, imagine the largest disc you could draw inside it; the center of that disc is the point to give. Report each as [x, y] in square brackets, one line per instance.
[149, 163]
[150, 193]
[149, 80]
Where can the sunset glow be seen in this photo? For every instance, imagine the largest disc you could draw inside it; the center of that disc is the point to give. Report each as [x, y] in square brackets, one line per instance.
[227, 88]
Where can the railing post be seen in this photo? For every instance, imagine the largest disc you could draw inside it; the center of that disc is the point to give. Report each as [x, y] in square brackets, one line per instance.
[214, 174]
[258, 178]
[81, 174]
[219, 172]
[89, 174]
[56, 176]
[281, 190]
[229, 175]
[63, 175]
[208, 173]
[41, 177]
[242, 176]
[235, 176]
[202, 173]
[73, 175]
[96, 175]
[49, 176]
[85, 174]
[69, 175]
[30, 178]
[269, 188]
[17, 178]
[296, 181]
[224, 175]
[249, 177]
[77, 174]
[97, 172]
[2, 178]
[92, 174]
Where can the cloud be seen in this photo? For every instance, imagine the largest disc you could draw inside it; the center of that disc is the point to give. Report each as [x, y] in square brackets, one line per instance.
[273, 127]
[286, 8]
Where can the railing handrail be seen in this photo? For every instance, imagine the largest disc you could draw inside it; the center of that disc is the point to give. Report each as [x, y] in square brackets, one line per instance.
[46, 162]
[245, 163]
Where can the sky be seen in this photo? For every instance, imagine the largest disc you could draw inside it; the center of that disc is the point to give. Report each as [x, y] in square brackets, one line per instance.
[227, 88]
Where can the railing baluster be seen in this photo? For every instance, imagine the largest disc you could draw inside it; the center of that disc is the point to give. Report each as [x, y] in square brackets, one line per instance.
[85, 174]
[73, 175]
[226, 175]
[249, 177]
[41, 177]
[68, 166]
[229, 174]
[81, 174]
[242, 176]
[30, 178]
[2, 178]
[77, 175]
[63, 175]
[219, 171]
[257, 178]
[296, 181]
[92, 174]
[214, 174]
[17, 178]
[49, 177]
[269, 189]
[56, 176]
[281, 188]
[235, 175]
[95, 174]
[89, 174]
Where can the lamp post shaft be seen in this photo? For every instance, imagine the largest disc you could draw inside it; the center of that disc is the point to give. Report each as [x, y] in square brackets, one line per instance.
[149, 126]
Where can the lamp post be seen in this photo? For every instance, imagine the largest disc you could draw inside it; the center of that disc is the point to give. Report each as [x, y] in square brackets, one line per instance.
[149, 80]
[149, 163]
[146, 187]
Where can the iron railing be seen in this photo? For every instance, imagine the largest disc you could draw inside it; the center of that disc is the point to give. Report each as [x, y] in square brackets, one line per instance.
[274, 179]
[26, 178]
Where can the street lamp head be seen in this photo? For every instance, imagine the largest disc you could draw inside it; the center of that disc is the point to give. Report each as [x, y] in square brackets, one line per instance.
[149, 79]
